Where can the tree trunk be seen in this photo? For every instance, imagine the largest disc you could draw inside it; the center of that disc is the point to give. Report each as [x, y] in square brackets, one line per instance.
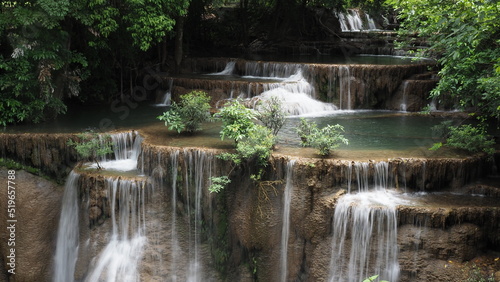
[179, 34]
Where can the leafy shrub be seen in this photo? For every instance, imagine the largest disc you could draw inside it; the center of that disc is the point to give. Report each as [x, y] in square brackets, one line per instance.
[257, 145]
[373, 279]
[467, 137]
[272, 115]
[254, 142]
[470, 138]
[325, 139]
[192, 110]
[237, 120]
[305, 130]
[92, 146]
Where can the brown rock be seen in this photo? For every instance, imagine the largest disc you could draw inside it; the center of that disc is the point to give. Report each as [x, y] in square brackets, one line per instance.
[37, 208]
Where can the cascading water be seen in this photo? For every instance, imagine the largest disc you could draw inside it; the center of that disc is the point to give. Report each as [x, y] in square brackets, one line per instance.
[200, 166]
[228, 70]
[403, 107]
[285, 230]
[364, 239]
[119, 259]
[68, 232]
[352, 20]
[295, 91]
[345, 86]
[166, 100]
[174, 160]
[126, 150]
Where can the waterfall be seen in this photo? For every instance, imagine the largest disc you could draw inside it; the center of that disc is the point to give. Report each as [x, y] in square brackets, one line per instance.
[119, 259]
[68, 232]
[297, 96]
[403, 107]
[345, 86]
[228, 70]
[352, 21]
[285, 229]
[167, 97]
[126, 145]
[199, 165]
[126, 149]
[174, 240]
[364, 241]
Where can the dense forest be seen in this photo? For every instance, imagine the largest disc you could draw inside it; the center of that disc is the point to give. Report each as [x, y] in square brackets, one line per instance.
[60, 52]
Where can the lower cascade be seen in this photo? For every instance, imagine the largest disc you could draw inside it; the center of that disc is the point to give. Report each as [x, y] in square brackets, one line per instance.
[67, 235]
[328, 220]
[144, 238]
[364, 241]
[119, 259]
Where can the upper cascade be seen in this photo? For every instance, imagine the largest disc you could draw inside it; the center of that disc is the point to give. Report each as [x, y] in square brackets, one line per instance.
[355, 20]
[126, 150]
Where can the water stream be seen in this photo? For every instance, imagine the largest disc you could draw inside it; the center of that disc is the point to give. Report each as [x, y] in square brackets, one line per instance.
[120, 258]
[364, 241]
[68, 232]
[285, 230]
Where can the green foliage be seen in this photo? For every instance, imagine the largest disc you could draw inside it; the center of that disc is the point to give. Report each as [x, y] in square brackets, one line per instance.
[476, 274]
[325, 139]
[436, 146]
[91, 146]
[218, 183]
[38, 69]
[192, 110]
[257, 145]
[11, 164]
[305, 130]
[237, 120]
[50, 47]
[464, 37]
[470, 138]
[272, 114]
[442, 130]
[254, 142]
[466, 137]
[374, 278]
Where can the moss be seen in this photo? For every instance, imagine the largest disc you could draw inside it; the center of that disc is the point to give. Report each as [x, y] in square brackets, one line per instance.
[11, 164]
[220, 245]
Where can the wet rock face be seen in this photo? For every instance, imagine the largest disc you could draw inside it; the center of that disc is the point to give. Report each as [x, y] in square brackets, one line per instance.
[430, 253]
[348, 86]
[38, 205]
[428, 238]
[48, 152]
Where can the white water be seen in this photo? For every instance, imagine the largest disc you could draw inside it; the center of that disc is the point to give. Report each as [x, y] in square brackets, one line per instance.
[200, 170]
[167, 97]
[228, 70]
[296, 95]
[285, 229]
[119, 259]
[404, 102]
[345, 86]
[175, 249]
[67, 233]
[126, 149]
[364, 241]
[353, 21]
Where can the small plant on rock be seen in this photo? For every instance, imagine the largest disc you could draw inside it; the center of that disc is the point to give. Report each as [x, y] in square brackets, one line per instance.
[254, 142]
[188, 115]
[237, 121]
[272, 115]
[91, 146]
[325, 139]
